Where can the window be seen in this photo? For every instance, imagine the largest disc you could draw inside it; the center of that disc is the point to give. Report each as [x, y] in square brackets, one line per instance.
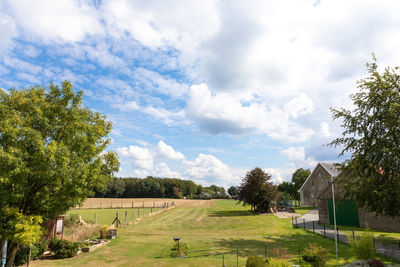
[320, 174]
[312, 195]
[312, 183]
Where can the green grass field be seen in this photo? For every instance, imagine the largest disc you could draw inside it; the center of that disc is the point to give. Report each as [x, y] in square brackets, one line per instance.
[209, 232]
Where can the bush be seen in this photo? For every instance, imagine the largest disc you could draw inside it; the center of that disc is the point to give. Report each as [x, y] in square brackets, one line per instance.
[364, 247]
[71, 220]
[272, 262]
[37, 250]
[376, 263]
[63, 248]
[255, 261]
[104, 231]
[316, 255]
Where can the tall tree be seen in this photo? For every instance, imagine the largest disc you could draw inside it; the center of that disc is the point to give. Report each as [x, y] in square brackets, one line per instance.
[256, 190]
[290, 189]
[233, 191]
[52, 154]
[372, 136]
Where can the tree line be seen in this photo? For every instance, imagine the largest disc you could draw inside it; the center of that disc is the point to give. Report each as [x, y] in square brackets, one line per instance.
[158, 187]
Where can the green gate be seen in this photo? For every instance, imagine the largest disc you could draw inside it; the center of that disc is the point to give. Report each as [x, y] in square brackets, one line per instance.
[346, 213]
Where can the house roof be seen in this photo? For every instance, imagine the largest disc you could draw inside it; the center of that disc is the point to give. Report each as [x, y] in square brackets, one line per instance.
[329, 167]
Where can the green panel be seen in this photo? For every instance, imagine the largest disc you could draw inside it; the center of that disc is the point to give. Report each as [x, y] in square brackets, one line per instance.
[346, 213]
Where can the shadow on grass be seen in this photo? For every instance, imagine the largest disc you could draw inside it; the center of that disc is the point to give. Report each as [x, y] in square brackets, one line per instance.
[295, 244]
[230, 213]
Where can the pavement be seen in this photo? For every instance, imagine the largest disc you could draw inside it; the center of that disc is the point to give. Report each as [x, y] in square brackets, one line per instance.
[309, 221]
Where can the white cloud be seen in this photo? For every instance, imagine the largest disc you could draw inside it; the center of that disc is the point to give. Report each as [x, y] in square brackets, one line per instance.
[154, 81]
[167, 151]
[207, 169]
[141, 157]
[162, 170]
[61, 20]
[235, 114]
[298, 159]
[8, 31]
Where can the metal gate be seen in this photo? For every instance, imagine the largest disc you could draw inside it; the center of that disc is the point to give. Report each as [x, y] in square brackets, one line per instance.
[346, 213]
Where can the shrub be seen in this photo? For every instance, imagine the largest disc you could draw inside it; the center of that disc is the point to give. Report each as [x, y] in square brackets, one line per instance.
[376, 263]
[71, 220]
[272, 262]
[255, 261]
[316, 255]
[63, 248]
[37, 250]
[104, 231]
[280, 253]
[364, 247]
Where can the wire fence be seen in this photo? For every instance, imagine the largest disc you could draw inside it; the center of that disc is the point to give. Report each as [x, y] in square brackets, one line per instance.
[120, 204]
[387, 248]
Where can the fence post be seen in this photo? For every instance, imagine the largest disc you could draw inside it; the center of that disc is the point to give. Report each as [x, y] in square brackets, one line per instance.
[304, 224]
[354, 240]
[324, 231]
[117, 220]
[265, 251]
[299, 256]
[237, 256]
[133, 216]
[223, 260]
[126, 215]
[138, 212]
[296, 221]
[100, 205]
[95, 218]
[337, 233]
[111, 204]
[132, 204]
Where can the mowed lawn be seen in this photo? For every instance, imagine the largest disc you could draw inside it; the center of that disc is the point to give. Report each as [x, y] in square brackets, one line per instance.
[210, 233]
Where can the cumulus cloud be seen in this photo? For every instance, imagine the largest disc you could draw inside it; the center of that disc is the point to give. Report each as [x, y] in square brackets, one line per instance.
[208, 169]
[61, 20]
[142, 158]
[298, 159]
[162, 170]
[168, 152]
[234, 114]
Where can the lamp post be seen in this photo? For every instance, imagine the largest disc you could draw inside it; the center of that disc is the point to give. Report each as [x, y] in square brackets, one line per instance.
[334, 221]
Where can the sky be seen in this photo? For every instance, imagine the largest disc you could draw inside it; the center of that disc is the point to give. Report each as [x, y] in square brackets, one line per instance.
[204, 90]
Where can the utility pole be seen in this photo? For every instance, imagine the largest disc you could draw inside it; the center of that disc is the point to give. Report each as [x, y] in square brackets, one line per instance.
[334, 221]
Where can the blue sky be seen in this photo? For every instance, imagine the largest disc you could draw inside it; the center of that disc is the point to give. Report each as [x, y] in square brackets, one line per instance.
[204, 90]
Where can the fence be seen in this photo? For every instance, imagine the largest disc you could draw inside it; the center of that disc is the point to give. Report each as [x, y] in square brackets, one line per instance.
[386, 248]
[120, 204]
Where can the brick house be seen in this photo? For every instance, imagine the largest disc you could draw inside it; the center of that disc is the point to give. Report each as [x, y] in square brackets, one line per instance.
[317, 182]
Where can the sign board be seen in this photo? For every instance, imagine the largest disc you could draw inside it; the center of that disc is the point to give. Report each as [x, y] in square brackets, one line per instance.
[59, 227]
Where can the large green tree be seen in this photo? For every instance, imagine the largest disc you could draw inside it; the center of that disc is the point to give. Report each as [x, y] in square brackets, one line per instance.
[291, 189]
[52, 154]
[372, 136]
[256, 190]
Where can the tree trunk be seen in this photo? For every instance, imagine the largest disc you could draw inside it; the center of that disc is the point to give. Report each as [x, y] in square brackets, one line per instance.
[11, 253]
[29, 257]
